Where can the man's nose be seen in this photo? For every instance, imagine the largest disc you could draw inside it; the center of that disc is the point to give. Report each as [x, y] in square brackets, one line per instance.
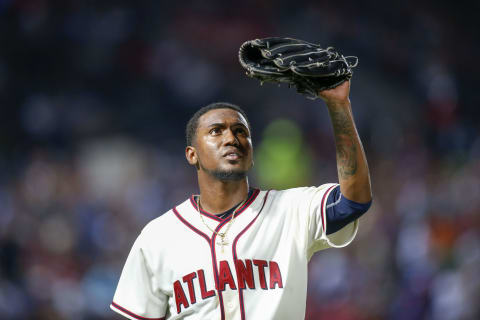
[230, 137]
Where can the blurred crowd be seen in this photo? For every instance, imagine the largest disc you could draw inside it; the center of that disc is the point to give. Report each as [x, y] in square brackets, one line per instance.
[94, 98]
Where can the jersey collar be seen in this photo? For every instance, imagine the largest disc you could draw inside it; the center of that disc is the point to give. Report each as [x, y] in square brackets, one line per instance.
[251, 198]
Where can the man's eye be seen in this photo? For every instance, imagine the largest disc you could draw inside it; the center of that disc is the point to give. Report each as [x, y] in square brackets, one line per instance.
[215, 131]
[241, 131]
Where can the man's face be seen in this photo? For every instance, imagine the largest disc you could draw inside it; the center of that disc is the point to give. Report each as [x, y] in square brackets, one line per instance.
[223, 146]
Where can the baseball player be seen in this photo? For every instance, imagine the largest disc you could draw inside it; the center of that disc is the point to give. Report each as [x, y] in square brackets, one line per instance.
[236, 252]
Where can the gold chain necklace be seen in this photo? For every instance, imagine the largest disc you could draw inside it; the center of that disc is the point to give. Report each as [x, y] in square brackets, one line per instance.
[222, 235]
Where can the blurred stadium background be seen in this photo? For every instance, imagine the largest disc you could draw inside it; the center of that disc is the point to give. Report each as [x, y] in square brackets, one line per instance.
[94, 97]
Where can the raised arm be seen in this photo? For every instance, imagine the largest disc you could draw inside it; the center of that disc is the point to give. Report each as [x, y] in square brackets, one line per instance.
[353, 173]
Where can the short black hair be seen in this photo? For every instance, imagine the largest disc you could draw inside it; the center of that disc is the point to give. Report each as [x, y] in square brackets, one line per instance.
[192, 124]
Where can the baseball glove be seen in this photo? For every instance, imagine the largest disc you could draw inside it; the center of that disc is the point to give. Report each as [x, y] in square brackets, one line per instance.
[307, 66]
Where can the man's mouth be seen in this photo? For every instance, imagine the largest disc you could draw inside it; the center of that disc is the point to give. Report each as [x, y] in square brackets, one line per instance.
[233, 155]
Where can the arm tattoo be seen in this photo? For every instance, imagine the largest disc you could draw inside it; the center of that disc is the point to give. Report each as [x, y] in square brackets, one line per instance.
[345, 144]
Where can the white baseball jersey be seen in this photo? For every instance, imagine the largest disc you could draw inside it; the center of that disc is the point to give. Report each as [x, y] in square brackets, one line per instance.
[178, 269]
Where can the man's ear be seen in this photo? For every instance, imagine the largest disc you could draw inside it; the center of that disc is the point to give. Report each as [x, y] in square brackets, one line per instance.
[191, 155]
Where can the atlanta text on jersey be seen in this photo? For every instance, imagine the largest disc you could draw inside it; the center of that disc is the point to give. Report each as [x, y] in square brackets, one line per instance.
[244, 276]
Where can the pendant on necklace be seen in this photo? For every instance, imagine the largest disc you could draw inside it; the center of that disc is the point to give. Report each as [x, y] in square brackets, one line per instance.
[223, 242]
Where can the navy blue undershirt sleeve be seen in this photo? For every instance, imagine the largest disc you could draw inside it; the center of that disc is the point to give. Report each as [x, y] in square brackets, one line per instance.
[341, 211]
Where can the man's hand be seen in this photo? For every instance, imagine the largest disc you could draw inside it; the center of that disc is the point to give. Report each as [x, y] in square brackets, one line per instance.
[337, 95]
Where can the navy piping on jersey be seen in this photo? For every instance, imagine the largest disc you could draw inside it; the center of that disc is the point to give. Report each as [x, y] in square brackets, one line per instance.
[234, 252]
[211, 241]
[205, 213]
[221, 216]
[341, 211]
[322, 212]
[212, 254]
[131, 314]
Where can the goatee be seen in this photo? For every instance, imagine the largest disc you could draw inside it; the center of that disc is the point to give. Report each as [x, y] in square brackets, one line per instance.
[226, 175]
[229, 175]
